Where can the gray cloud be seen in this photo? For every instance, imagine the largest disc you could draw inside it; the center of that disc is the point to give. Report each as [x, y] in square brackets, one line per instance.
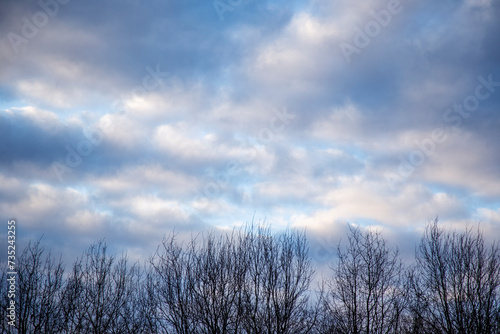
[205, 146]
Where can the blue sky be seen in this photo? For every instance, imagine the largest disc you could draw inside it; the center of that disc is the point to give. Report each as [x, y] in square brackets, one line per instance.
[128, 119]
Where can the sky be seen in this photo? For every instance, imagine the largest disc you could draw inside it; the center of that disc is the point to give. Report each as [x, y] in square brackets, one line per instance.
[129, 119]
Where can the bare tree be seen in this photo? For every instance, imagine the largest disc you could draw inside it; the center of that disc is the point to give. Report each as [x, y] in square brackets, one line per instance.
[367, 293]
[253, 281]
[38, 297]
[5, 327]
[100, 294]
[456, 283]
[243, 282]
[148, 302]
[199, 285]
[170, 287]
[220, 270]
[276, 293]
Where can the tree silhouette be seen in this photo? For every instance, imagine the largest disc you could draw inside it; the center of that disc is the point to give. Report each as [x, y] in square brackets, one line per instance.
[367, 289]
[254, 281]
[38, 298]
[456, 282]
[251, 282]
[101, 294]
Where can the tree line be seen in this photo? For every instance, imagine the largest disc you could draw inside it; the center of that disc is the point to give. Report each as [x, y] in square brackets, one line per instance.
[255, 281]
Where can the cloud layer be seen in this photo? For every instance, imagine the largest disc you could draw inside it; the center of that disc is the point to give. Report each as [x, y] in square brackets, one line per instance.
[125, 120]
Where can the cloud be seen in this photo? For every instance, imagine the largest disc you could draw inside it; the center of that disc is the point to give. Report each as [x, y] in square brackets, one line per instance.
[31, 134]
[465, 161]
[258, 114]
[153, 177]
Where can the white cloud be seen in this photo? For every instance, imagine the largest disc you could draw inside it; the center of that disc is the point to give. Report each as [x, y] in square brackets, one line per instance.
[123, 131]
[46, 120]
[153, 209]
[361, 199]
[43, 205]
[353, 121]
[86, 221]
[464, 161]
[178, 139]
[136, 178]
[341, 123]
